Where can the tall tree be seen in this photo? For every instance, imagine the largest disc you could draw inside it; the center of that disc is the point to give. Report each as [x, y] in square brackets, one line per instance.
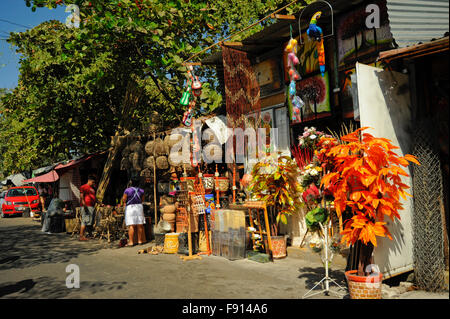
[73, 79]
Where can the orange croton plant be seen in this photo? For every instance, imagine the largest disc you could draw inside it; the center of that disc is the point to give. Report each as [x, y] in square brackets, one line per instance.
[365, 177]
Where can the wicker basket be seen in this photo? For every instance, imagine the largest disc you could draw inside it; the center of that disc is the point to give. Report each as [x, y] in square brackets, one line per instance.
[162, 163]
[136, 161]
[224, 184]
[213, 152]
[177, 155]
[136, 147]
[208, 182]
[160, 148]
[149, 162]
[126, 151]
[172, 139]
[147, 173]
[125, 164]
[149, 148]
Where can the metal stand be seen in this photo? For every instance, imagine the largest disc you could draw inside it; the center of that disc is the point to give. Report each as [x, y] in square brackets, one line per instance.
[327, 279]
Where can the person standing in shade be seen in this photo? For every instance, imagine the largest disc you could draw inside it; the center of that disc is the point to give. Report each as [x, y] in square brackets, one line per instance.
[134, 212]
[88, 200]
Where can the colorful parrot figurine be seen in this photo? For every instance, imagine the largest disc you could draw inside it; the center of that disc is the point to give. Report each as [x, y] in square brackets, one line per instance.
[321, 53]
[314, 31]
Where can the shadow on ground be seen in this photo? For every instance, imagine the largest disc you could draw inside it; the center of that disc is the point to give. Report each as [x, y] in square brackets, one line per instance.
[25, 246]
[48, 288]
[314, 275]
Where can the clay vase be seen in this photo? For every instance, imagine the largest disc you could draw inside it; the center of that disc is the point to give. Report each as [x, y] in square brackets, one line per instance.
[169, 215]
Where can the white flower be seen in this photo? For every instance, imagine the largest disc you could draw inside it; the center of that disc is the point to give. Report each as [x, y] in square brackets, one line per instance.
[314, 172]
[312, 137]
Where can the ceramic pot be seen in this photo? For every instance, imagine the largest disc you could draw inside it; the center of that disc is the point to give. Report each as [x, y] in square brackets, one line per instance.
[278, 247]
[364, 287]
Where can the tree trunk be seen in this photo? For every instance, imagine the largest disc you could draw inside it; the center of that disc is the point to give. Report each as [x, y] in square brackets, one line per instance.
[365, 258]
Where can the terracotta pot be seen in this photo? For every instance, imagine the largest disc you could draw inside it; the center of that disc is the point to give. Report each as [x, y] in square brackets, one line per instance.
[169, 217]
[278, 246]
[168, 209]
[364, 287]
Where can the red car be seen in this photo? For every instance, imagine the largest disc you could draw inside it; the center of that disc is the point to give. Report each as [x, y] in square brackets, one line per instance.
[18, 199]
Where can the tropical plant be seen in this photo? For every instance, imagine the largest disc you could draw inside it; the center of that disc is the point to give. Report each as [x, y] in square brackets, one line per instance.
[366, 183]
[275, 181]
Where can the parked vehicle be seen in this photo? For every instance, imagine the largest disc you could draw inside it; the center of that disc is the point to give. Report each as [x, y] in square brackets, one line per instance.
[20, 199]
[2, 200]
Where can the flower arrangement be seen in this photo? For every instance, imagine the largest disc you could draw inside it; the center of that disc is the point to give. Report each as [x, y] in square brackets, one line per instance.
[310, 138]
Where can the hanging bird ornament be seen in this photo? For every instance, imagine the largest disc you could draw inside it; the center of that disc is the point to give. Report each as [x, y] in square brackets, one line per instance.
[297, 102]
[315, 32]
[194, 86]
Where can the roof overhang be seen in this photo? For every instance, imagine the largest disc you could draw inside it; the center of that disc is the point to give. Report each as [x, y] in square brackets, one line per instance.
[416, 51]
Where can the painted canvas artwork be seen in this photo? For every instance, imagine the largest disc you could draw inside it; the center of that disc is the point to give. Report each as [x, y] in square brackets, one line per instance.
[315, 88]
[356, 41]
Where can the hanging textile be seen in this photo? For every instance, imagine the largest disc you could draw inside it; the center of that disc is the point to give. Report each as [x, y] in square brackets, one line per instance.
[241, 87]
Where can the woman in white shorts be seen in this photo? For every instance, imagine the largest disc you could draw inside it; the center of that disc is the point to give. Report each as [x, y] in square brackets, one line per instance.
[134, 213]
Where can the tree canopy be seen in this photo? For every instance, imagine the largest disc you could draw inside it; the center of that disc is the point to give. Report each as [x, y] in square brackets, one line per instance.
[73, 80]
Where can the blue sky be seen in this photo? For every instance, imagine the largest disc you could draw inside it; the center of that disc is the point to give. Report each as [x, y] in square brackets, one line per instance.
[17, 12]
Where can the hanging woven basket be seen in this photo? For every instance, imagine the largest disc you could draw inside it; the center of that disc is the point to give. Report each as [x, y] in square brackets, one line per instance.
[149, 147]
[172, 139]
[162, 163]
[136, 146]
[213, 152]
[175, 159]
[149, 162]
[160, 148]
[124, 164]
[126, 151]
[136, 161]
[146, 173]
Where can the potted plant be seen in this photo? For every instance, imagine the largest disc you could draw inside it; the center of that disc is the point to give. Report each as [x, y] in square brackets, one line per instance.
[364, 176]
[275, 181]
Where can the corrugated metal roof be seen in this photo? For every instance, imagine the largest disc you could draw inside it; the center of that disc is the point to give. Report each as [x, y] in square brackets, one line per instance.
[414, 21]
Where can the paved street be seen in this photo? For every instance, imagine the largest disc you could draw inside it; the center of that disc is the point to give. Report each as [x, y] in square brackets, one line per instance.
[32, 265]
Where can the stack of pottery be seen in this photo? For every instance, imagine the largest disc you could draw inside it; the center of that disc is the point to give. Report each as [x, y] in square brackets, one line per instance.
[168, 211]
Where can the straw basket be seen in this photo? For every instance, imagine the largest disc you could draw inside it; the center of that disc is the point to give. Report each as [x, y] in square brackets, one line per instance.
[149, 162]
[162, 163]
[213, 152]
[178, 157]
[136, 146]
[160, 148]
[136, 160]
[125, 164]
[208, 183]
[149, 147]
[224, 183]
[172, 139]
[190, 183]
